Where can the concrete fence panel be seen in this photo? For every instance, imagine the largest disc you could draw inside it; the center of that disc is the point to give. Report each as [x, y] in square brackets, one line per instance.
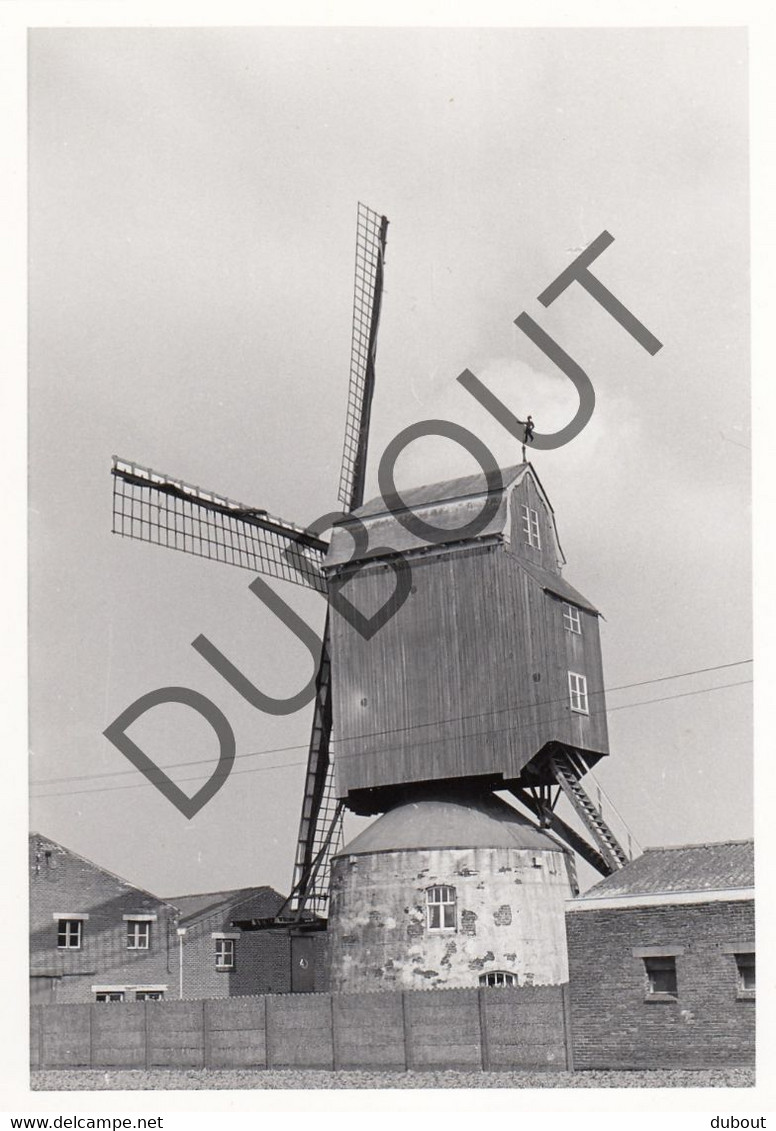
[494, 1028]
[235, 1033]
[369, 1031]
[299, 1031]
[65, 1036]
[176, 1034]
[524, 1028]
[443, 1029]
[118, 1035]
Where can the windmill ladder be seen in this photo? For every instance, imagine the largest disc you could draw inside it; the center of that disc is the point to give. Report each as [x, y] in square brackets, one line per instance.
[568, 771]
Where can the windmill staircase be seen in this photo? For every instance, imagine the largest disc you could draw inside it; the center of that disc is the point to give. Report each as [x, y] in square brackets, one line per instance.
[569, 769]
[561, 768]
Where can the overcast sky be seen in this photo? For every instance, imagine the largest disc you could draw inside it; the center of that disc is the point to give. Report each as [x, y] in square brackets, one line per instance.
[192, 208]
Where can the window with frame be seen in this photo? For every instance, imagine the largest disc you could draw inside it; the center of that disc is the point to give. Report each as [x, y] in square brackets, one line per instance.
[109, 995]
[571, 619]
[661, 976]
[138, 934]
[498, 978]
[225, 954]
[440, 908]
[578, 693]
[149, 995]
[69, 934]
[746, 973]
[531, 526]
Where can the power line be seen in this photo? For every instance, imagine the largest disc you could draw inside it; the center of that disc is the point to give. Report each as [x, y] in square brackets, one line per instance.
[411, 726]
[430, 742]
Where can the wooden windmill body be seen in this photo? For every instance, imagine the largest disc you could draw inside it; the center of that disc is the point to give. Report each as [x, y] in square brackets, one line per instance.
[488, 677]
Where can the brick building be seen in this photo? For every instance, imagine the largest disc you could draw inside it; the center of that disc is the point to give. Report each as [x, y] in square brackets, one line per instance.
[219, 960]
[93, 936]
[662, 961]
[96, 937]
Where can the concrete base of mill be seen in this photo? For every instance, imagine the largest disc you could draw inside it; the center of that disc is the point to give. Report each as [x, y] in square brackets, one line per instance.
[448, 892]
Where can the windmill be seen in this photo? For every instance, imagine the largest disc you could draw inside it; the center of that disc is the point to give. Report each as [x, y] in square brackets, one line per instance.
[165, 511]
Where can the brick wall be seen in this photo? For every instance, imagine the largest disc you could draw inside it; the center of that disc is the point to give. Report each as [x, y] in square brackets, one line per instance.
[61, 882]
[262, 962]
[613, 1023]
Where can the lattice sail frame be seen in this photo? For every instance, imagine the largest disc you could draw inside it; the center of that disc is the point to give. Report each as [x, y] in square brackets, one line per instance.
[164, 511]
[156, 508]
[371, 234]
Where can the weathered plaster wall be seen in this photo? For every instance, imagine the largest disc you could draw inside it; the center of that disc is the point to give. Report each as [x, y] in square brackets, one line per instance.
[509, 916]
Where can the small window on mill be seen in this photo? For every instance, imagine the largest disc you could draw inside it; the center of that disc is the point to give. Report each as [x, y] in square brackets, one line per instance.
[531, 527]
[498, 978]
[578, 693]
[440, 908]
[571, 619]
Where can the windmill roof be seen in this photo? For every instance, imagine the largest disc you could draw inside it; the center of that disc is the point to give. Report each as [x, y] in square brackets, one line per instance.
[467, 486]
[206, 904]
[451, 505]
[487, 822]
[679, 869]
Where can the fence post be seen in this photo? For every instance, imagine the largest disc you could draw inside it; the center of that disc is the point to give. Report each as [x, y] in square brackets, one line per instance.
[147, 1022]
[41, 1034]
[205, 1034]
[484, 1041]
[91, 1009]
[407, 1029]
[269, 1052]
[334, 1056]
[567, 1028]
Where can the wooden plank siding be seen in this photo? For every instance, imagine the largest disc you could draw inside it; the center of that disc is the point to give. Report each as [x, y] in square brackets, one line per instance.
[470, 677]
[549, 554]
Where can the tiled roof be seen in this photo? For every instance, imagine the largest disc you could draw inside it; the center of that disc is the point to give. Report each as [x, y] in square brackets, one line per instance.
[681, 868]
[265, 902]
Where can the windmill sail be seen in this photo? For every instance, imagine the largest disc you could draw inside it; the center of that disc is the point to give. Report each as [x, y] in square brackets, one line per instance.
[371, 233]
[320, 825]
[167, 512]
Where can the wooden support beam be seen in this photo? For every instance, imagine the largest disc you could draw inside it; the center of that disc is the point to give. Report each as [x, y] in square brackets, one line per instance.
[552, 821]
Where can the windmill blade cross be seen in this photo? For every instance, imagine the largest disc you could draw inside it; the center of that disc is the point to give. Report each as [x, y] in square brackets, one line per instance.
[371, 234]
[156, 508]
[320, 825]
